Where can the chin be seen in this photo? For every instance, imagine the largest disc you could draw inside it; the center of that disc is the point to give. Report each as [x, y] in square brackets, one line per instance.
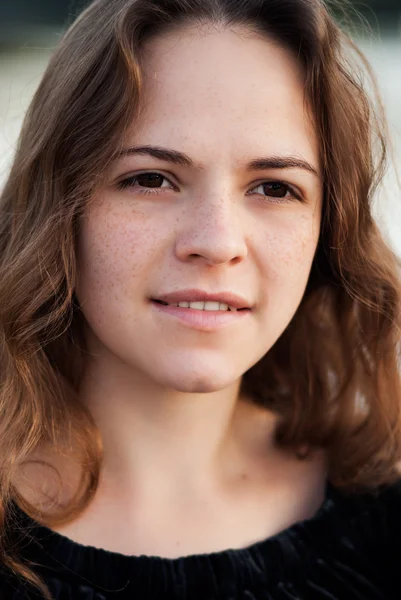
[201, 386]
[198, 381]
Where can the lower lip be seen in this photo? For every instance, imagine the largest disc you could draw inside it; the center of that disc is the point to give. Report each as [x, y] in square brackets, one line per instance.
[203, 320]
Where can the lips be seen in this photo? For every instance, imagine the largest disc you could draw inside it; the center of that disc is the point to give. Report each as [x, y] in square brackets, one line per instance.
[195, 295]
[199, 305]
[200, 319]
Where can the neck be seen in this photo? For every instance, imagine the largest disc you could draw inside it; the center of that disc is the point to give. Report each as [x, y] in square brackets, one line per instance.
[157, 438]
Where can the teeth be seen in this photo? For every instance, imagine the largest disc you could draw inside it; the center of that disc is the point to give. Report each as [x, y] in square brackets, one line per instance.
[205, 305]
[202, 305]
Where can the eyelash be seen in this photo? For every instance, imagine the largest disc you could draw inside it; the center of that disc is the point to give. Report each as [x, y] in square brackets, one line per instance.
[129, 181]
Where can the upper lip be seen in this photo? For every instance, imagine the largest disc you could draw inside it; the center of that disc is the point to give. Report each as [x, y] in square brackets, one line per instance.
[229, 298]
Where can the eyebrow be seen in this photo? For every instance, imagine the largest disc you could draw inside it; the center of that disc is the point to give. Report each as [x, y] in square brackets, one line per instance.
[256, 164]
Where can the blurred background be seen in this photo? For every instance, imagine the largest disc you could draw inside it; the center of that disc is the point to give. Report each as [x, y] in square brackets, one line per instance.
[30, 29]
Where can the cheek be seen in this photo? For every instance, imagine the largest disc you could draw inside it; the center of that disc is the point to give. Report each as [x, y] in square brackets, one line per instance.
[290, 252]
[114, 251]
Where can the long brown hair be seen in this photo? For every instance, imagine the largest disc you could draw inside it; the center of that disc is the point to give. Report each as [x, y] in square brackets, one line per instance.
[333, 375]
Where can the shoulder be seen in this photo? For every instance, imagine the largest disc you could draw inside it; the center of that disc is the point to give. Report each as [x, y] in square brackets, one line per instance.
[9, 587]
[387, 510]
[359, 541]
[380, 507]
[373, 520]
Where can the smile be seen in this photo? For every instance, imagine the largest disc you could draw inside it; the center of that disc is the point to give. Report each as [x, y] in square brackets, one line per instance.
[197, 305]
[198, 315]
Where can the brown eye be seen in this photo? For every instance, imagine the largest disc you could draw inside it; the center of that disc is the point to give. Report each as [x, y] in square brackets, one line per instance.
[152, 180]
[276, 189]
[146, 181]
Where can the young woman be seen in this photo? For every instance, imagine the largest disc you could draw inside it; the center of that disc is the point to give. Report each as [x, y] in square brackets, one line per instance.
[200, 395]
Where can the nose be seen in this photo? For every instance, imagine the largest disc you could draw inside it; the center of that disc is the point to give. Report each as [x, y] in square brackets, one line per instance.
[213, 231]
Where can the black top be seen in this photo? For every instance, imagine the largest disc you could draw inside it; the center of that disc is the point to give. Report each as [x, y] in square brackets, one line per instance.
[350, 550]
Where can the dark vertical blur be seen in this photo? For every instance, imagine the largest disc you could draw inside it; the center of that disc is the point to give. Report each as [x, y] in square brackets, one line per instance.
[22, 19]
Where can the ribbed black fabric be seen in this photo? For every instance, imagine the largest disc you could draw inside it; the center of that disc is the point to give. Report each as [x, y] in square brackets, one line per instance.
[351, 549]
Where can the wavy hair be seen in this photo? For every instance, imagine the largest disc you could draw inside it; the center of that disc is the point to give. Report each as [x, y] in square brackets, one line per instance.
[333, 375]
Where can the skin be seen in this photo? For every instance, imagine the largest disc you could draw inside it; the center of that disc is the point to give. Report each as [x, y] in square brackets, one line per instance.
[186, 453]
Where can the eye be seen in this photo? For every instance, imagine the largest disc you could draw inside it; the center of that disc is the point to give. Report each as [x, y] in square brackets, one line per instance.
[145, 182]
[277, 190]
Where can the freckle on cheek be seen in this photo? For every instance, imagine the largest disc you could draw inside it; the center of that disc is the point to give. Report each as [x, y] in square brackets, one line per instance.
[291, 251]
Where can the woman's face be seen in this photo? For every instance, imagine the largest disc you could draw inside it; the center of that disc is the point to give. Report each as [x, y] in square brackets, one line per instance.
[239, 213]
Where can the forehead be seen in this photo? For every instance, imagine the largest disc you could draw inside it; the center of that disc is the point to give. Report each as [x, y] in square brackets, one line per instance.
[226, 89]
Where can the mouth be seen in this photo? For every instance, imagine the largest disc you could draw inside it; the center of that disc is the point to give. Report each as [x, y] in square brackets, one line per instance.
[207, 306]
